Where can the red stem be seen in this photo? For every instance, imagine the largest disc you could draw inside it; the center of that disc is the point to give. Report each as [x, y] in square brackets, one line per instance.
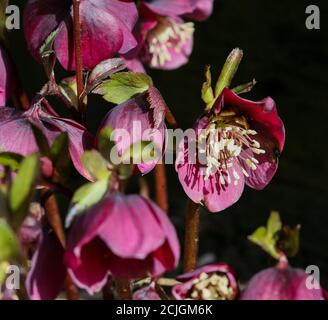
[161, 187]
[78, 56]
[191, 237]
[54, 219]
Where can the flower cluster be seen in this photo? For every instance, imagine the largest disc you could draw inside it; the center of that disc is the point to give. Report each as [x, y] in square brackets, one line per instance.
[116, 238]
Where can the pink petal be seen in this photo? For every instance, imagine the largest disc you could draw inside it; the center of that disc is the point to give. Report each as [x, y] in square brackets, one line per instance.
[171, 7]
[263, 113]
[136, 233]
[203, 9]
[210, 192]
[7, 80]
[104, 30]
[92, 272]
[46, 278]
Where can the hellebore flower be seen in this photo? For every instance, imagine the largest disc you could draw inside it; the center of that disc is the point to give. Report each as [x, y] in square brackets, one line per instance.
[146, 293]
[16, 134]
[7, 83]
[238, 141]
[140, 119]
[283, 283]
[106, 28]
[47, 275]
[122, 236]
[211, 282]
[165, 39]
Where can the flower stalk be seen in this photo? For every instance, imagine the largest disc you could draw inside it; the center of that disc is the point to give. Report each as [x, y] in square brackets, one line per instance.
[54, 219]
[78, 57]
[123, 289]
[191, 237]
[161, 187]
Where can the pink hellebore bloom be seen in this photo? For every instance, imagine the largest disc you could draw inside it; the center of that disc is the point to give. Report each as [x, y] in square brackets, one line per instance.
[211, 282]
[122, 236]
[165, 39]
[140, 119]
[106, 28]
[283, 283]
[47, 275]
[16, 134]
[7, 83]
[239, 141]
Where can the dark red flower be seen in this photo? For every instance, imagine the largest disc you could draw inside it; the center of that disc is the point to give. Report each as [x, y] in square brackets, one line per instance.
[105, 29]
[16, 134]
[122, 236]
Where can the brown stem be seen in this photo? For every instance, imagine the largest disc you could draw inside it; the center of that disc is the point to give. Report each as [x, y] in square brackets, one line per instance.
[78, 56]
[72, 292]
[53, 216]
[54, 219]
[170, 118]
[160, 170]
[123, 289]
[191, 237]
[161, 187]
[160, 291]
[108, 290]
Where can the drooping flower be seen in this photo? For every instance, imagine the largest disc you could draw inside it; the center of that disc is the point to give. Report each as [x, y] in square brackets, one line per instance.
[238, 141]
[211, 282]
[283, 283]
[16, 134]
[123, 236]
[7, 82]
[140, 119]
[47, 275]
[106, 28]
[165, 39]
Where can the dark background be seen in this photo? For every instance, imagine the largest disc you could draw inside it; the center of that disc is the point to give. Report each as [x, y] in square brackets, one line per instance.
[290, 64]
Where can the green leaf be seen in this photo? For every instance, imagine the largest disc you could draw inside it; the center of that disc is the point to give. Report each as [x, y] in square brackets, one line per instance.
[41, 140]
[289, 240]
[60, 158]
[85, 197]
[102, 71]
[207, 90]
[11, 160]
[124, 86]
[23, 187]
[105, 144]
[139, 152]
[68, 88]
[48, 55]
[8, 242]
[267, 237]
[96, 165]
[228, 71]
[274, 223]
[244, 88]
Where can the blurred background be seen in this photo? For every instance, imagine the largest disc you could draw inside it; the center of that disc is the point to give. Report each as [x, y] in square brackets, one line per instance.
[290, 64]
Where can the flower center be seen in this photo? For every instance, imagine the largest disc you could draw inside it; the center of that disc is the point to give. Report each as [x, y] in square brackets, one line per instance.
[223, 141]
[166, 36]
[215, 286]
